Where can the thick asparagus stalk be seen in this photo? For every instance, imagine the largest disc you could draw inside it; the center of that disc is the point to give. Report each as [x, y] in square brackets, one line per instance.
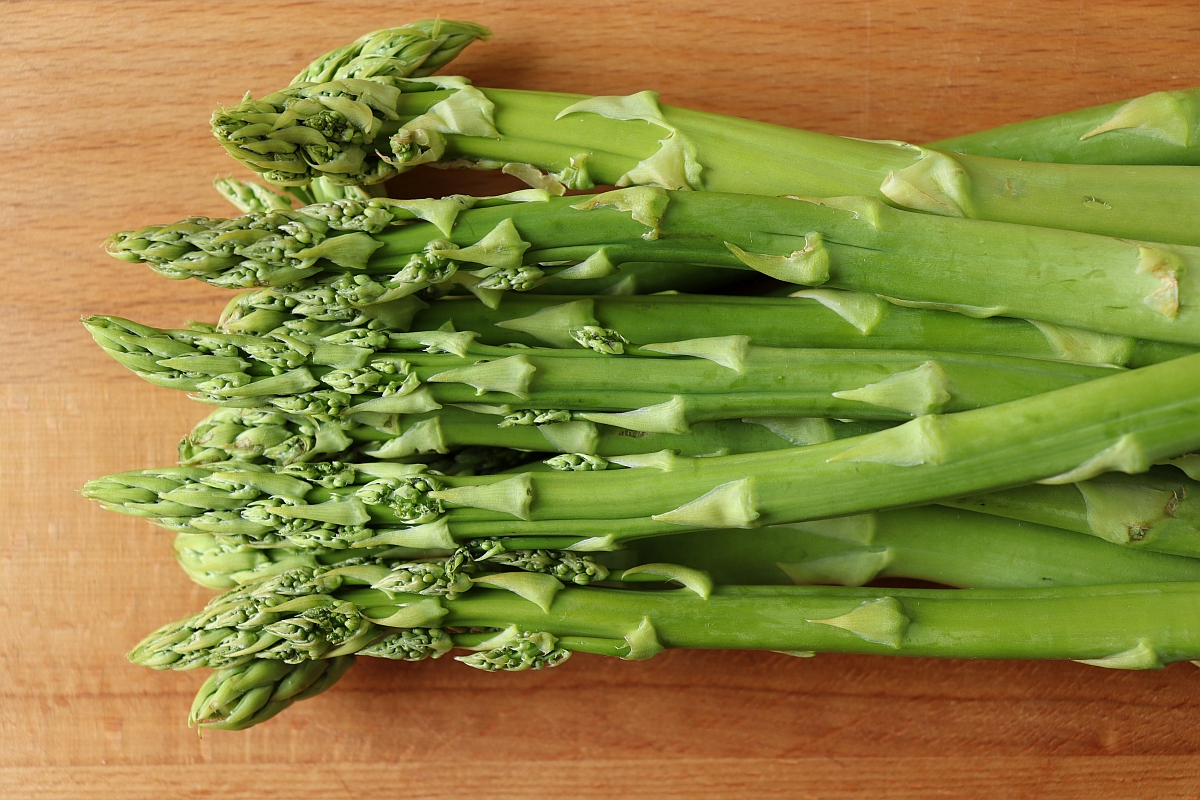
[1124, 422]
[979, 268]
[364, 131]
[1158, 128]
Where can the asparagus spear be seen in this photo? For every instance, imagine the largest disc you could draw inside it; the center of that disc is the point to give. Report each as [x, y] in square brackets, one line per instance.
[823, 318]
[1124, 422]
[365, 131]
[710, 379]
[304, 615]
[1158, 128]
[931, 543]
[241, 697]
[260, 436]
[979, 268]
[414, 50]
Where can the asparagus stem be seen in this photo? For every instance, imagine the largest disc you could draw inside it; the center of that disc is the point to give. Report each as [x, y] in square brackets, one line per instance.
[302, 615]
[1125, 422]
[1156, 511]
[932, 543]
[821, 318]
[632, 140]
[980, 268]
[1158, 128]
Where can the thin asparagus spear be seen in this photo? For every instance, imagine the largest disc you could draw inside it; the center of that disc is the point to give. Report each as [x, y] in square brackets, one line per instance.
[1158, 128]
[931, 543]
[1125, 422]
[979, 268]
[305, 614]
[709, 379]
[271, 436]
[823, 318]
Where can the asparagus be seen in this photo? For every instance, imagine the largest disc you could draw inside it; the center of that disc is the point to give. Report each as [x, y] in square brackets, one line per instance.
[930, 543]
[1154, 511]
[366, 131]
[821, 318]
[409, 51]
[1158, 128]
[240, 697]
[979, 268]
[259, 436]
[1124, 422]
[373, 372]
[305, 614]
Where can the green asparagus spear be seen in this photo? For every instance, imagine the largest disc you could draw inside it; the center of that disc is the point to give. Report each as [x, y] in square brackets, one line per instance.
[414, 50]
[1158, 128]
[979, 268]
[1125, 422]
[931, 543]
[823, 318]
[714, 379]
[365, 131]
[304, 615]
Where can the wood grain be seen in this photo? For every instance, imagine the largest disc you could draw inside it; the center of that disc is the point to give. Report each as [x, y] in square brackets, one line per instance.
[106, 106]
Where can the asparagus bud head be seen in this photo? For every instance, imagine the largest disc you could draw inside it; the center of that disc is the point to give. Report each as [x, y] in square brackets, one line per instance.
[517, 651]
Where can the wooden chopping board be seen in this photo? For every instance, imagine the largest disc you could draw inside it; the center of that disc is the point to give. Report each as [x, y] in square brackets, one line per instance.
[105, 128]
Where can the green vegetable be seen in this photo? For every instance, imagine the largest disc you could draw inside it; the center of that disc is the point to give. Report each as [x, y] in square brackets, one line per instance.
[1158, 128]
[822, 318]
[240, 697]
[304, 614]
[366, 131]
[353, 254]
[1124, 422]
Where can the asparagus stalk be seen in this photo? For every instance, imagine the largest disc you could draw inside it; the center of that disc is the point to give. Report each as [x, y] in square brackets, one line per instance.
[558, 140]
[979, 268]
[259, 436]
[304, 615]
[1125, 422]
[1158, 128]
[1156, 511]
[709, 379]
[821, 318]
[930, 543]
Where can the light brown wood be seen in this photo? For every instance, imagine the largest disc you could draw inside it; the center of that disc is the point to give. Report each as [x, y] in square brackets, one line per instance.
[106, 106]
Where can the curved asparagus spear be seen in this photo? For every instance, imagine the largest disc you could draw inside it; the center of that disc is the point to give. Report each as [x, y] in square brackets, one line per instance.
[357, 253]
[1158, 128]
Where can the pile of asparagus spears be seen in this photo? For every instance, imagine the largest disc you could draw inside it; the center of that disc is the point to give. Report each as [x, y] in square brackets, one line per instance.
[699, 386]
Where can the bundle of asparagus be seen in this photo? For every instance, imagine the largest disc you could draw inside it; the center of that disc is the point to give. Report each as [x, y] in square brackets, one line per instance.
[532, 425]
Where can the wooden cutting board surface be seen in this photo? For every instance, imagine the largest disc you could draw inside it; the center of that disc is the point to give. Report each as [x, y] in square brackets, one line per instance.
[105, 128]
